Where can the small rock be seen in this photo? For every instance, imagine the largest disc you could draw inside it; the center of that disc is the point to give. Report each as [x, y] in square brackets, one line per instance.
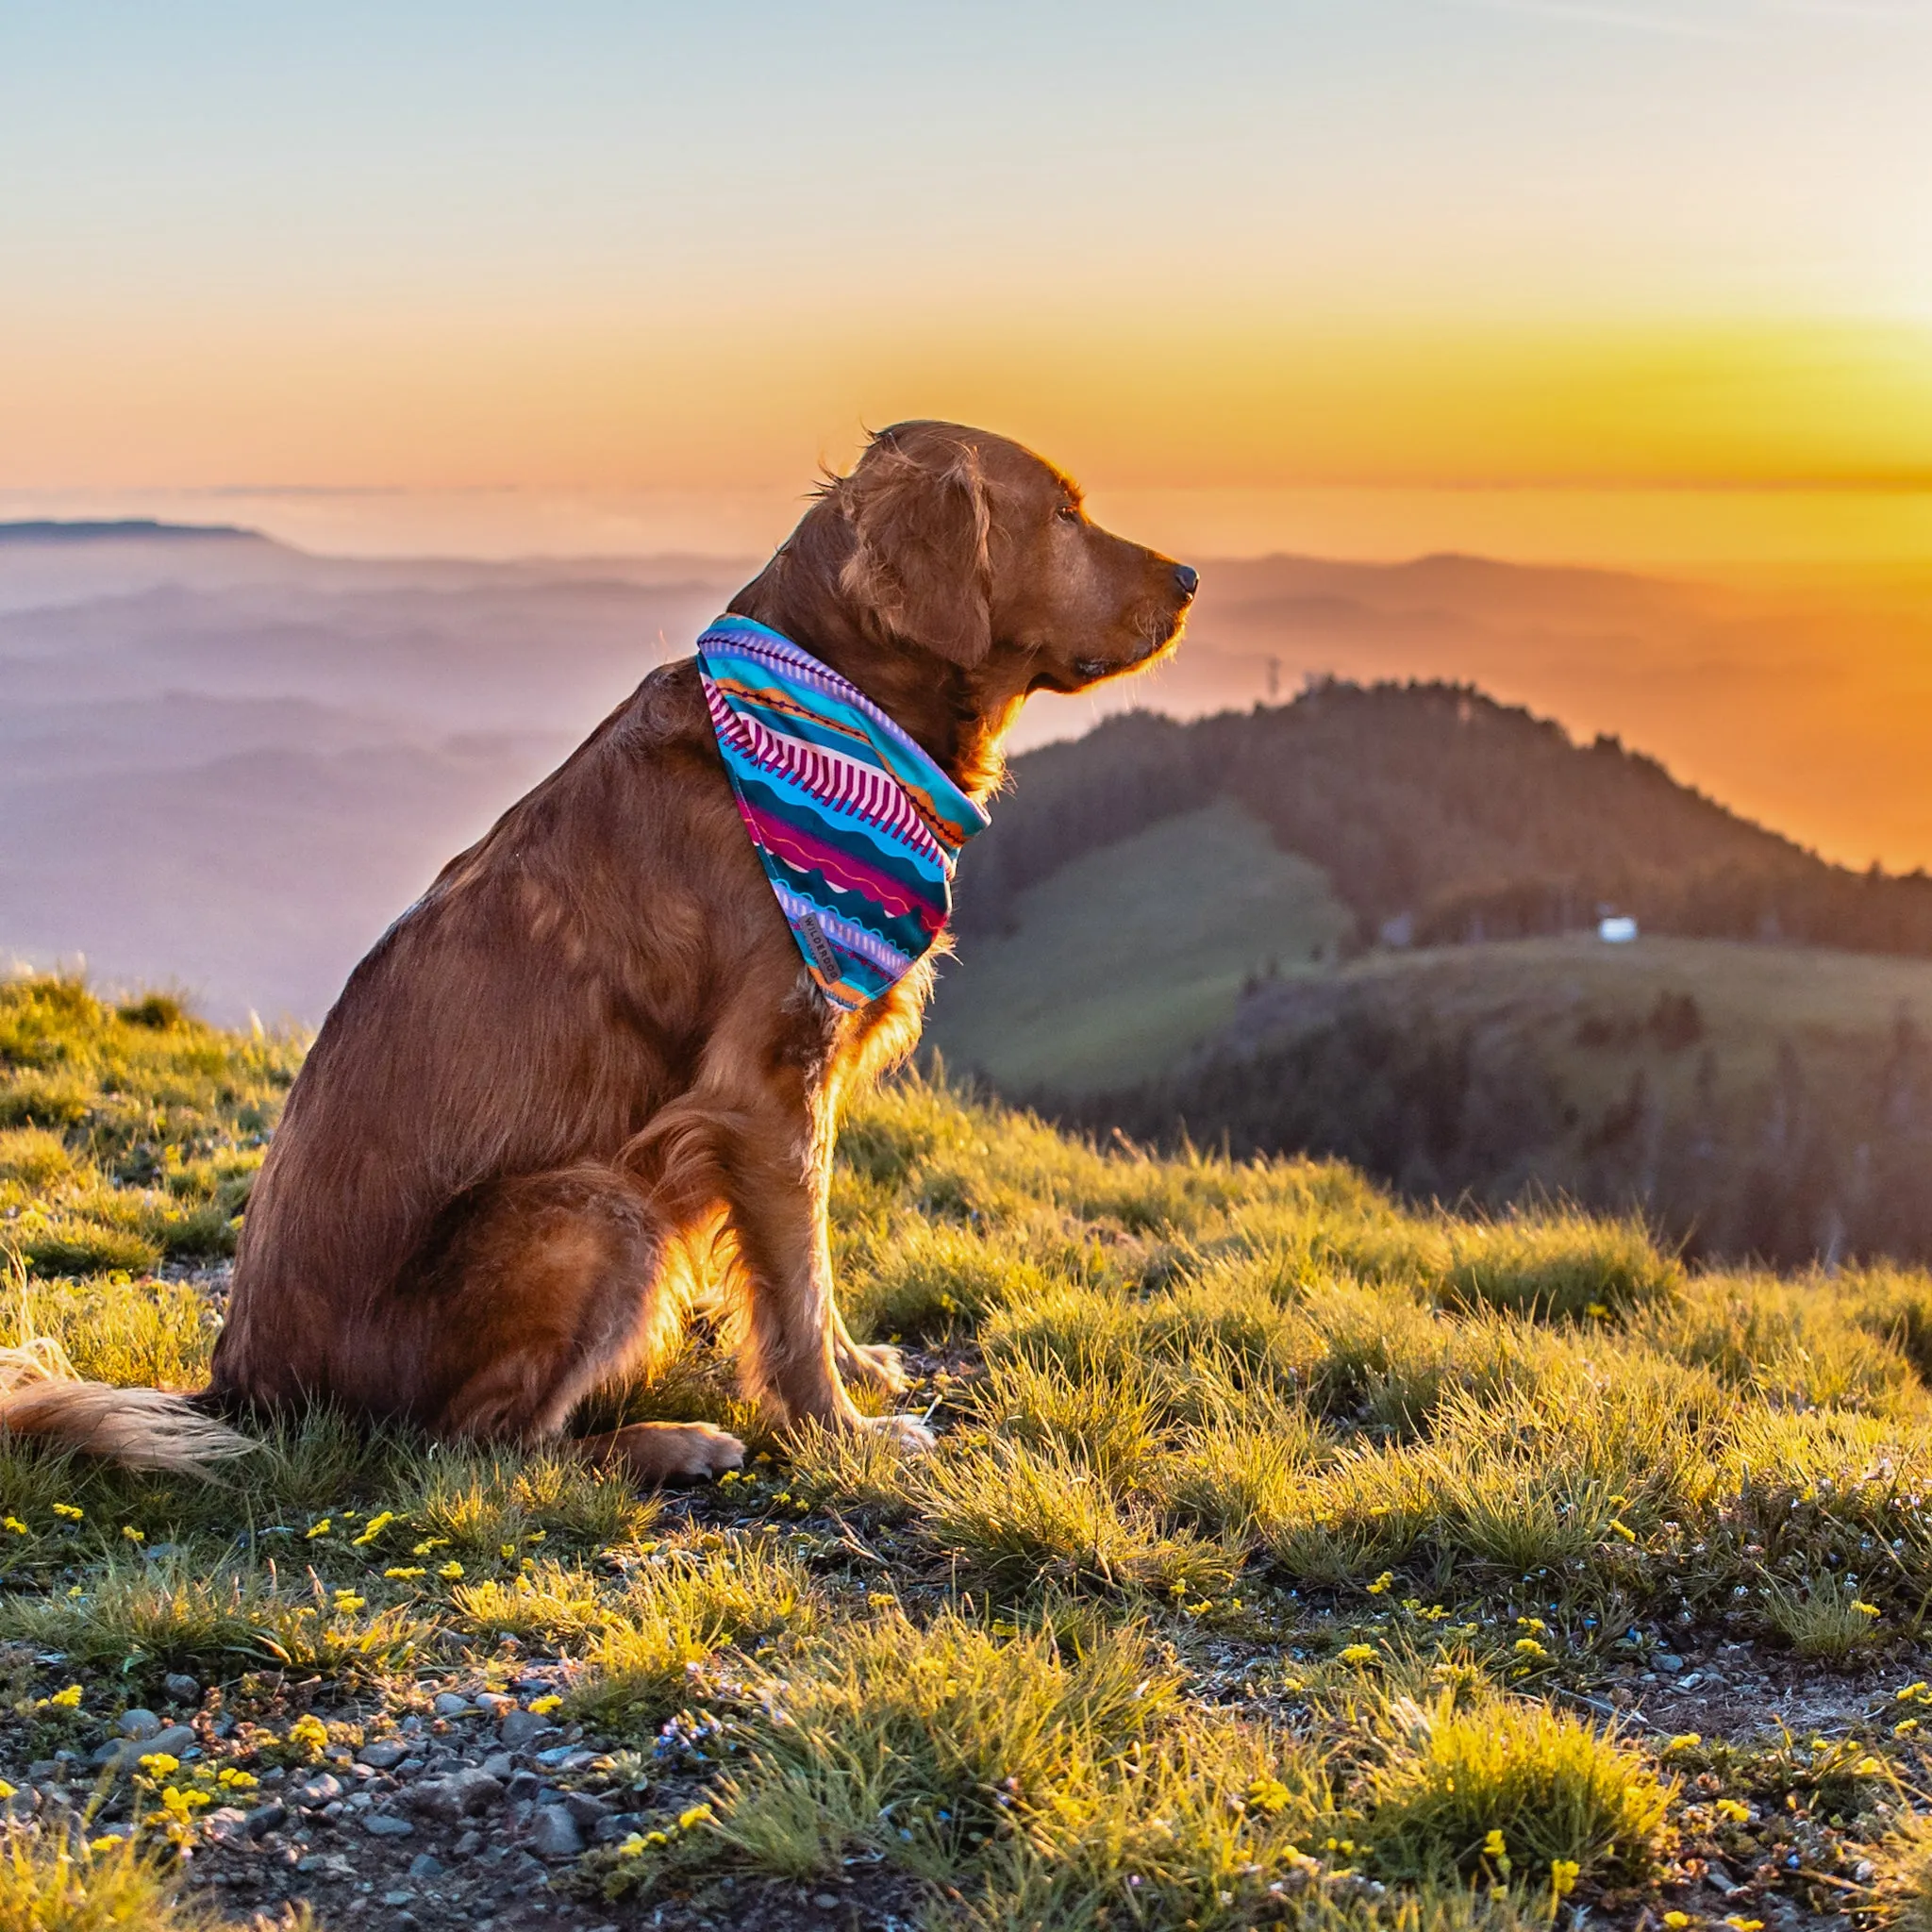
[399, 1898]
[1665, 1660]
[824, 1901]
[317, 1793]
[265, 1819]
[331, 1812]
[138, 1724]
[181, 1688]
[554, 1833]
[458, 1795]
[500, 1764]
[524, 1787]
[520, 1730]
[494, 1703]
[384, 1755]
[124, 1754]
[41, 1769]
[559, 1754]
[386, 1825]
[425, 1866]
[588, 1811]
[450, 1705]
[468, 1845]
[615, 1826]
[227, 1825]
[21, 1804]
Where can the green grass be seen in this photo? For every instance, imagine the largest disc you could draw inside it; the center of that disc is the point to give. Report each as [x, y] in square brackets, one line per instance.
[1130, 955]
[1282, 1545]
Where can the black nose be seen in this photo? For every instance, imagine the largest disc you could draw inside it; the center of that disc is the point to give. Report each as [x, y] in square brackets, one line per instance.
[1187, 576]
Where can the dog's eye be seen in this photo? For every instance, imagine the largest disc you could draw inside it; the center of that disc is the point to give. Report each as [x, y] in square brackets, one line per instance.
[1068, 513]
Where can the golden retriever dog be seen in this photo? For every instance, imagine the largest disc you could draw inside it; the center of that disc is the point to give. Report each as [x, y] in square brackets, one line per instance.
[588, 1069]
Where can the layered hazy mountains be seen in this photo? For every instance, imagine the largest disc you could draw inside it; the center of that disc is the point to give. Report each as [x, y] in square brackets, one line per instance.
[226, 765]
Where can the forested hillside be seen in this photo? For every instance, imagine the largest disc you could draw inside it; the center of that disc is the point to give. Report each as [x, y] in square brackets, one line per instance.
[1363, 924]
[1437, 812]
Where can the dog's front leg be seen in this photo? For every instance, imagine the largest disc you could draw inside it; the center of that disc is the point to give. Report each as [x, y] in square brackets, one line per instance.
[777, 1177]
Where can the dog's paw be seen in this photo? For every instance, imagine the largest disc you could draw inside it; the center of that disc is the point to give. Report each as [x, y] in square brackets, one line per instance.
[873, 1365]
[906, 1432]
[655, 1453]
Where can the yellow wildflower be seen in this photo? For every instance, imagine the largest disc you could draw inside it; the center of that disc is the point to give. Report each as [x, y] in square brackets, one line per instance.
[1618, 1527]
[14, 1523]
[1359, 1654]
[1269, 1794]
[70, 1511]
[1743, 1924]
[1730, 1809]
[1865, 1609]
[1677, 1920]
[428, 1543]
[6, 1790]
[160, 1765]
[451, 1571]
[374, 1528]
[310, 1732]
[545, 1706]
[320, 1528]
[1529, 1647]
[1563, 1874]
[1685, 1741]
[505, 1551]
[348, 1603]
[697, 1815]
[1494, 1846]
[68, 1699]
[133, 1535]
[1381, 1582]
[406, 1573]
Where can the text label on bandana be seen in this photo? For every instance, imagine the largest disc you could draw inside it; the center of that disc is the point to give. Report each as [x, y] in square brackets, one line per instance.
[857, 828]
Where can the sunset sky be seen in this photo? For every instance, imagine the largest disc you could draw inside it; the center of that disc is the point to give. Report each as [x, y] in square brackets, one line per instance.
[1620, 280]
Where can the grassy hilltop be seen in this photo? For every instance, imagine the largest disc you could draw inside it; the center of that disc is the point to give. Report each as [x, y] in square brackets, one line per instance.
[1289, 1557]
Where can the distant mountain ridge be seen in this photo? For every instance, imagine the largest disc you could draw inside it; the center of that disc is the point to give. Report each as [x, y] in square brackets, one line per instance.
[124, 530]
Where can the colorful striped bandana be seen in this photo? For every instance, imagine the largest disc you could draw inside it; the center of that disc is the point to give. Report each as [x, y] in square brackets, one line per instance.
[857, 828]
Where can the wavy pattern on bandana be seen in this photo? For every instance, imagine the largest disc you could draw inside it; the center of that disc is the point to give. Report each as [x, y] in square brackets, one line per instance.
[858, 829]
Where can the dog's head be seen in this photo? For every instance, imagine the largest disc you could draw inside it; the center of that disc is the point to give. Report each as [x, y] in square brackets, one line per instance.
[968, 546]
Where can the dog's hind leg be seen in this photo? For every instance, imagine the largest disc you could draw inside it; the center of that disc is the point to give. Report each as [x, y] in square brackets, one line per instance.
[540, 1289]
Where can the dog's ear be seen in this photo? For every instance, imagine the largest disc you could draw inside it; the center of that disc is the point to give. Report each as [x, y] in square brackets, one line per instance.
[918, 566]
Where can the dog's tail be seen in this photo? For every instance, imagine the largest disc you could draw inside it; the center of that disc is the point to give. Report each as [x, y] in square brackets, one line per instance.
[42, 1398]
